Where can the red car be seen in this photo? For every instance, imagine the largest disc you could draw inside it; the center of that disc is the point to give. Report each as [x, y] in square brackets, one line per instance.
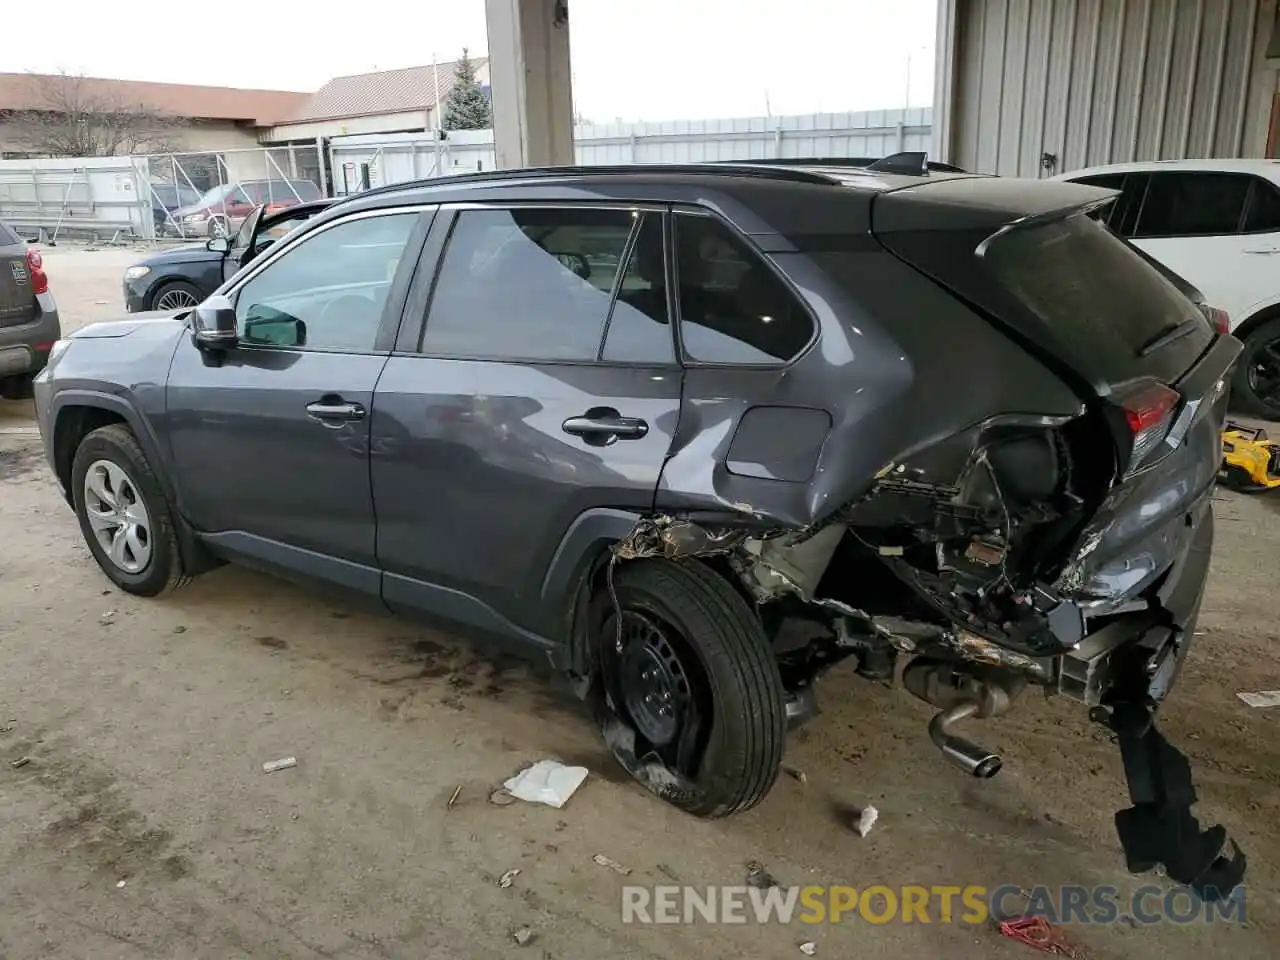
[221, 210]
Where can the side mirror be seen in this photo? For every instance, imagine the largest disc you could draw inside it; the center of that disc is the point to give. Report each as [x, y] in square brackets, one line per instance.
[217, 244]
[215, 323]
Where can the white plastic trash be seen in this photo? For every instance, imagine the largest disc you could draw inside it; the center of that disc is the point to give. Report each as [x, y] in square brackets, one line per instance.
[547, 781]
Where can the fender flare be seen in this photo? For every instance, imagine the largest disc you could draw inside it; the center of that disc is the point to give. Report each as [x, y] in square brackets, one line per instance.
[97, 399]
[586, 540]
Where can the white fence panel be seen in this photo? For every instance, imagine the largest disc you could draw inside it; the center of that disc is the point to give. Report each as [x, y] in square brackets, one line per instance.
[98, 196]
[360, 162]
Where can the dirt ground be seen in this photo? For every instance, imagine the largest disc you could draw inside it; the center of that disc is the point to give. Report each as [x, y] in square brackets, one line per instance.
[143, 824]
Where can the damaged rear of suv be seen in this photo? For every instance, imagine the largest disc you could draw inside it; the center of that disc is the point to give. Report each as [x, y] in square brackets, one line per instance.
[696, 434]
[1012, 491]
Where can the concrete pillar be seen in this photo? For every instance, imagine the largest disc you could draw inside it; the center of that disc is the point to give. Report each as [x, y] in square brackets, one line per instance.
[529, 75]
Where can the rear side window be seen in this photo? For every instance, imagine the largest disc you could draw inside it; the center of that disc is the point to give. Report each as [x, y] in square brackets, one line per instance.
[1193, 204]
[1094, 292]
[1121, 215]
[7, 236]
[527, 284]
[733, 307]
[1263, 215]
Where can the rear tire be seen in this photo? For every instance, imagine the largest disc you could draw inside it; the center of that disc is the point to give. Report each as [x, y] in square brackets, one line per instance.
[127, 524]
[690, 642]
[1258, 367]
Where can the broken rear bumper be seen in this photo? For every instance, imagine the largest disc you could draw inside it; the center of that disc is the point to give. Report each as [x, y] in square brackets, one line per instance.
[1136, 656]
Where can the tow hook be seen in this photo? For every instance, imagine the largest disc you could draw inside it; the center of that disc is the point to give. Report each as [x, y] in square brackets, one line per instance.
[968, 756]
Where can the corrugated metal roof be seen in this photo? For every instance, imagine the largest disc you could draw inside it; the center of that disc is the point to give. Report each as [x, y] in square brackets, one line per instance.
[25, 91]
[388, 91]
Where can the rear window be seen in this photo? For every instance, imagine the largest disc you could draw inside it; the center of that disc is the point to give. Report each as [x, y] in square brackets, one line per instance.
[1097, 295]
[7, 236]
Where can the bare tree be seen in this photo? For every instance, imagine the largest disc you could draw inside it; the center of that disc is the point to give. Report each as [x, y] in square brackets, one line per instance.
[72, 116]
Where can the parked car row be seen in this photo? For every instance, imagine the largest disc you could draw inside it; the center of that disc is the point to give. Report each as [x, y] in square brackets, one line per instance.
[705, 431]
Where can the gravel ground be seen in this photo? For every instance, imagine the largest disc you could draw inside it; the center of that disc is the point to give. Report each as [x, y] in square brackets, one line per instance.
[144, 826]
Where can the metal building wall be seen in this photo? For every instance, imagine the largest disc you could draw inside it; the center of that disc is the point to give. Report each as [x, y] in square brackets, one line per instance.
[1100, 81]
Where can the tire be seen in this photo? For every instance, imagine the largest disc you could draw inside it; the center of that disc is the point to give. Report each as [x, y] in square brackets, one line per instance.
[219, 227]
[113, 452]
[1245, 382]
[728, 751]
[175, 289]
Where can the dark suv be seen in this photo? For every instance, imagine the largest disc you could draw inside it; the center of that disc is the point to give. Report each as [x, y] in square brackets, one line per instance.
[692, 435]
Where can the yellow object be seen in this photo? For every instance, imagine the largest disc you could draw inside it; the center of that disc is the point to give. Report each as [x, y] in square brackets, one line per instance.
[1250, 462]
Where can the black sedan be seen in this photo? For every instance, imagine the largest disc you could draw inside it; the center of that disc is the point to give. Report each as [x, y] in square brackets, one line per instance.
[182, 277]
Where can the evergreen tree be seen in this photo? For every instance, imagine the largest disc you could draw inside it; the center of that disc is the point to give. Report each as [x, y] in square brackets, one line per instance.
[467, 107]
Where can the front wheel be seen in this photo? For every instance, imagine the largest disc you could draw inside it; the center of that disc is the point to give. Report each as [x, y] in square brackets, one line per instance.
[124, 515]
[691, 702]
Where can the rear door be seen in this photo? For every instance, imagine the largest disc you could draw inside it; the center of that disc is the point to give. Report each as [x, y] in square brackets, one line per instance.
[542, 387]
[17, 301]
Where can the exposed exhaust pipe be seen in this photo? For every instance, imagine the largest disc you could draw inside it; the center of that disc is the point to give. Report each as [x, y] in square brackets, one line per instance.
[973, 759]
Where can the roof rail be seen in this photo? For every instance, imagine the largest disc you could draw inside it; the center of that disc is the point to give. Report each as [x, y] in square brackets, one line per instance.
[838, 162]
[745, 168]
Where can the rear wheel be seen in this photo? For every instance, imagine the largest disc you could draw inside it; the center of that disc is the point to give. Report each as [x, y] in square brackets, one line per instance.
[124, 516]
[218, 227]
[1256, 386]
[691, 701]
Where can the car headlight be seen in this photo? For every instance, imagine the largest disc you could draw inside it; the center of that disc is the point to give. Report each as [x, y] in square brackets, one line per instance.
[195, 217]
[133, 273]
[58, 349]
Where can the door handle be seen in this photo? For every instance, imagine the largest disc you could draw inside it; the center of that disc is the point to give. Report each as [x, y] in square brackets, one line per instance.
[601, 426]
[334, 411]
[1264, 251]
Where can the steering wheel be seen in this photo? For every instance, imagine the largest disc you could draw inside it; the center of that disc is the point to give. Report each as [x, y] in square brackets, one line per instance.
[577, 263]
[347, 310]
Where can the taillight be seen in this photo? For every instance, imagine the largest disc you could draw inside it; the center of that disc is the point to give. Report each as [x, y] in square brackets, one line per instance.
[1218, 319]
[1142, 413]
[39, 279]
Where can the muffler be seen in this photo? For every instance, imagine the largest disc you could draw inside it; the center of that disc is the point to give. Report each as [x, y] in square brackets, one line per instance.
[969, 757]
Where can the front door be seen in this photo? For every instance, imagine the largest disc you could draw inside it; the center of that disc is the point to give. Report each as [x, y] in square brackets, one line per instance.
[270, 441]
[543, 390]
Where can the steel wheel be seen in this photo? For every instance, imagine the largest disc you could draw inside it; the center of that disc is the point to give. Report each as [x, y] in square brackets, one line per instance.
[658, 682]
[117, 516]
[176, 298]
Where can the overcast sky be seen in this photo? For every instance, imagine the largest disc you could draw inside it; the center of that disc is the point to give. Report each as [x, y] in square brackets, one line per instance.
[651, 60]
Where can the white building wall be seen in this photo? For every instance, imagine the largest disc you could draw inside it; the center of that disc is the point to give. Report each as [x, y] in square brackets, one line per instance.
[1101, 81]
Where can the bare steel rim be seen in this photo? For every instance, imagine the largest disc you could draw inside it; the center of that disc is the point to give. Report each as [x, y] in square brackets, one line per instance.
[176, 298]
[117, 516]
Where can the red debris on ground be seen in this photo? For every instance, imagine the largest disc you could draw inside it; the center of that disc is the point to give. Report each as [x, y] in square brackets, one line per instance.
[1040, 933]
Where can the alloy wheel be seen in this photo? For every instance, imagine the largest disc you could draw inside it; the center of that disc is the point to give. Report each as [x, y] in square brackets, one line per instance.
[1264, 373]
[176, 299]
[117, 516]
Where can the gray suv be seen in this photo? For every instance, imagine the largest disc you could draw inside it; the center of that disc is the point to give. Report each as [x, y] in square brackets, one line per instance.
[694, 434]
[28, 316]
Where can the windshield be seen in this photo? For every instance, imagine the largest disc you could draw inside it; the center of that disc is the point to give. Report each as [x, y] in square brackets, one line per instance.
[217, 194]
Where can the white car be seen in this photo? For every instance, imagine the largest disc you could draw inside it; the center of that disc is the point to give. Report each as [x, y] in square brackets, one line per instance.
[1217, 224]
